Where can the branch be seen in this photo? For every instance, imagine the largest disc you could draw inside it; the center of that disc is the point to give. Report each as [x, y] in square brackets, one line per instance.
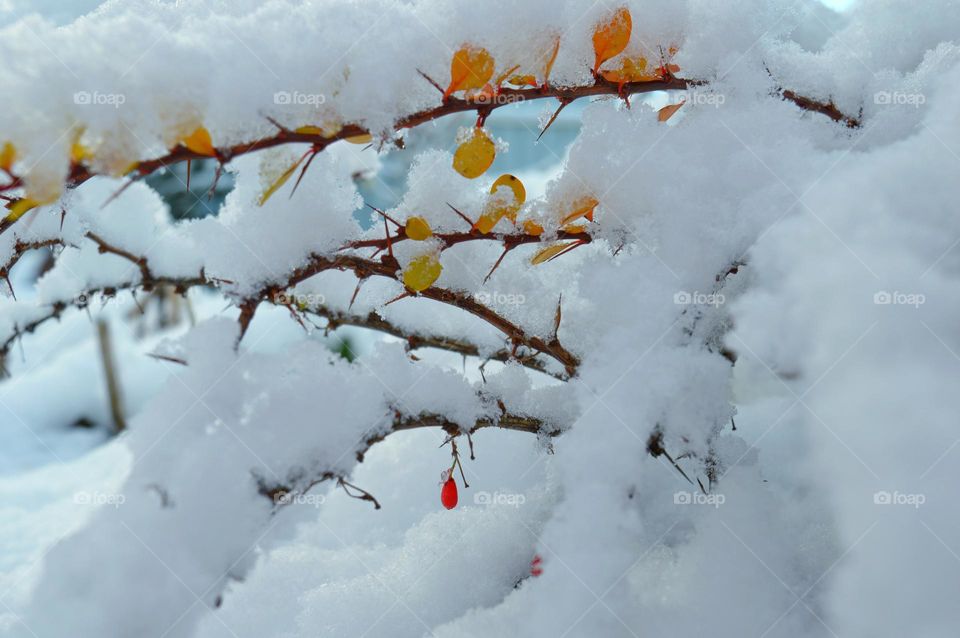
[282, 494]
[484, 105]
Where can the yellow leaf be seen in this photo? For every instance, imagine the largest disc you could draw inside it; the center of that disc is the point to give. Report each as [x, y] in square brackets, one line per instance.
[363, 138]
[418, 229]
[79, 153]
[471, 68]
[497, 207]
[523, 80]
[550, 60]
[279, 182]
[309, 130]
[532, 228]
[200, 143]
[421, 272]
[23, 206]
[667, 112]
[8, 155]
[549, 252]
[611, 36]
[583, 208]
[474, 156]
[631, 70]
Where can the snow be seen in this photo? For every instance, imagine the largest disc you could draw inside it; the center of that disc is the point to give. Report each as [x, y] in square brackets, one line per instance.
[806, 490]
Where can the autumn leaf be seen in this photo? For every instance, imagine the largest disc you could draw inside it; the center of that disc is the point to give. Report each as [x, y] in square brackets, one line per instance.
[279, 182]
[363, 138]
[531, 227]
[550, 60]
[550, 252]
[200, 143]
[471, 68]
[8, 155]
[583, 208]
[611, 37]
[631, 70]
[22, 206]
[668, 111]
[497, 207]
[421, 272]
[474, 156]
[418, 229]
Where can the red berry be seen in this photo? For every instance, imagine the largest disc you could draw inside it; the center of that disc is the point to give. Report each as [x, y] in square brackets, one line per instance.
[535, 568]
[448, 495]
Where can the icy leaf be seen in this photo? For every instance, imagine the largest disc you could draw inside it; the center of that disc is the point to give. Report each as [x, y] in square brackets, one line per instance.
[279, 182]
[668, 111]
[418, 229]
[421, 272]
[631, 70]
[532, 228]
[523, 80]
[471, 68]
[549, 252]
[611, 36]
[583, 208]
[8, 155]
[21, 207]
[474, 156]
[200, 142]
[497, 207]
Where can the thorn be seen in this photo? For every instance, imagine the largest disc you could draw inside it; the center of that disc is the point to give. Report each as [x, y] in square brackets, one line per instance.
[431, 81]
[385, 216]
[121, 190]
[462, 216]
[164, 357]
[553, 118]
[557, 317]
[356, 292]
[567, 249]
[216, 180]
[63, 216]
[499, 259]
[303, 171]
[189, 166]
[399, 297]
[281, 127]
[10, 286]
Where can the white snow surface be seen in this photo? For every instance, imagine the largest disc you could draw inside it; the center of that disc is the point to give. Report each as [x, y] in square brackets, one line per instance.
[832, 505]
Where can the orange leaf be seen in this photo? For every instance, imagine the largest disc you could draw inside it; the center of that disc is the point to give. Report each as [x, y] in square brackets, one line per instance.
[667, 112]
[611, 36]
[471, 68]
[532, 228]
[550, 60]
[631, 70]
[8, 155]
[474, 156]
[497, 208]
[583, 208]
[551, 252]
[200, 143]
[279, 182]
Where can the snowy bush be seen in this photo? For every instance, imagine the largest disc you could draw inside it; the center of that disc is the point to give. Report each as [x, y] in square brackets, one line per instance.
[697, 380]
